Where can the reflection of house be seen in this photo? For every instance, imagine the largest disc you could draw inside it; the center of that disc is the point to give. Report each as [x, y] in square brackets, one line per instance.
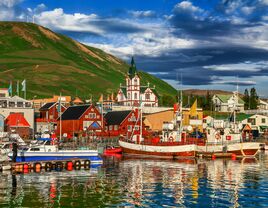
[16, 104]
[133, 93]
[155, 121]
[121, 123]
[49, 114]
[263, 105]
[227, 103]
[78, 119]
[17, 123]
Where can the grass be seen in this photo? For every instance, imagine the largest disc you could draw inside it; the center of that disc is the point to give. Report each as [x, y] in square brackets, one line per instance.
[56, 66]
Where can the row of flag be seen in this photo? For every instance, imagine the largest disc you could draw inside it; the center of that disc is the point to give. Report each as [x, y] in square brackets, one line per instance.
[23, 89]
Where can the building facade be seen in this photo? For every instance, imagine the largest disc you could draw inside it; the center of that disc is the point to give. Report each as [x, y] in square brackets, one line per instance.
[228, 103]
[133, 93]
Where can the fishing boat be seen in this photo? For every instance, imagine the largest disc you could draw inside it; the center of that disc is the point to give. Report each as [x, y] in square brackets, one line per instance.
[113, 150]
[43, 149]
[171, 144]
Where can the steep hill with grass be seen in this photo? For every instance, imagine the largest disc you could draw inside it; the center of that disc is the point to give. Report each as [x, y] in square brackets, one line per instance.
[53, 63]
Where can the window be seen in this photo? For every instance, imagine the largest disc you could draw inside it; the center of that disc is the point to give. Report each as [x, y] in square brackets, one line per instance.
[19, 104]
[263, 120]
[135, 81]
[147, 96]
[110, 128]
[92, 115]
[11, 104]
[135, 96]
[128, 95]
[137, 128]
[115, 127]
[28, 104]
[129, 128]
[252, 121]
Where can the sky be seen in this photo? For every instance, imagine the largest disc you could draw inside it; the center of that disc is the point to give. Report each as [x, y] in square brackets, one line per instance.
[212, 44]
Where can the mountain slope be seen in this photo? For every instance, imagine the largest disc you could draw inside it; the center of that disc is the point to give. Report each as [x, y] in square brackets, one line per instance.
[53, 63]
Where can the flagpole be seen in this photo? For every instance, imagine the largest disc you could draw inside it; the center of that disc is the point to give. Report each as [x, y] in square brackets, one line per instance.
[25, 90]
[60, 116]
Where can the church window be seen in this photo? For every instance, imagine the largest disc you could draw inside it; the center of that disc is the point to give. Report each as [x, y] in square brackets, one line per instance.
[147, 96]
[135, 81]
[129, 95]
[135, 96]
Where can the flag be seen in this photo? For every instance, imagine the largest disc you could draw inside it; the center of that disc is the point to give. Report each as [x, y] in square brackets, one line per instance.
[23, 85]
[193, 109]
[10, 89]
[18, 88]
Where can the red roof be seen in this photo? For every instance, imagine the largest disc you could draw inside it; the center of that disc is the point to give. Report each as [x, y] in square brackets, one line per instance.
[16, 120]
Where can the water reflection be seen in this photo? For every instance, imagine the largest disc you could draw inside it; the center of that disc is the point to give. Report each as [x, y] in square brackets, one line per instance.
[146, 183]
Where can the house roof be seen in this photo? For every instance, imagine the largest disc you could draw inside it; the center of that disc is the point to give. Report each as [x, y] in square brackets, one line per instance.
[116, 117]
[47, 106]
[16, 120]
[78, 100]
[225, 98]
[74, 112]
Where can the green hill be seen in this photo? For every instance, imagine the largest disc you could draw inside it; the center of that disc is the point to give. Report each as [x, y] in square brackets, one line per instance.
[53, 63]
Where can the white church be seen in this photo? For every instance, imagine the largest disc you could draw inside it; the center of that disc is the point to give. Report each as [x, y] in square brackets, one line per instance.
[133, 93]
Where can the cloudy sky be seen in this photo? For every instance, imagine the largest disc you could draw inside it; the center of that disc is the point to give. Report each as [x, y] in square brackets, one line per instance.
[214, 44]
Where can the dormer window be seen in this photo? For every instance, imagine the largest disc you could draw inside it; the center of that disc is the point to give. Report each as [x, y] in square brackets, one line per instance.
[135, 81]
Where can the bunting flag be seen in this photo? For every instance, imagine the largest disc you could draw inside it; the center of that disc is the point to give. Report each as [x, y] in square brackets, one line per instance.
[23, 85]
[10, 89]
[193, 109]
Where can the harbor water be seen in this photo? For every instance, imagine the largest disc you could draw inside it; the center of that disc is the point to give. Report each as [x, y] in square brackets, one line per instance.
[129, 182]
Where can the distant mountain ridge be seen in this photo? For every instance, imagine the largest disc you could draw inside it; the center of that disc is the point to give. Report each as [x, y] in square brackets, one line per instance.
[199, 92]
[53, 63]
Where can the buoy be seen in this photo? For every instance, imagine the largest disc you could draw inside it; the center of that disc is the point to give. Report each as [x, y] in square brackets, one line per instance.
[86, 164]
[77, 165]
[48, 166]
[25, 168]
[59, 166]
[233, 156]
[69, 165]
[213, 157]
[37, 167]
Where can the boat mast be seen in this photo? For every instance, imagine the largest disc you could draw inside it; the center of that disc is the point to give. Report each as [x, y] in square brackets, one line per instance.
[60, 116]
[235, 106]
[179, 113]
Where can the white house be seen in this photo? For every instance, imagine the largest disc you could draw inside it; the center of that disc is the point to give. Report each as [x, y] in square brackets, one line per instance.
[263, 105]
[133, 92]
[228, 103]
[16, 104]
[257, 122]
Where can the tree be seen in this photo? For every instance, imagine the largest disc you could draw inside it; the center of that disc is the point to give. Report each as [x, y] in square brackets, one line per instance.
[246, 99]
[253, 99]
[167, 100]
[208, 102]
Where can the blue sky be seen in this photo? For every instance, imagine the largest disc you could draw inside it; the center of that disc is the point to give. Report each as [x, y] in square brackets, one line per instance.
[213, 43]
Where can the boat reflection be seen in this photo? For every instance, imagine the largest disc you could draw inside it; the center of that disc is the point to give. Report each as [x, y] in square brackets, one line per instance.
[135, 182]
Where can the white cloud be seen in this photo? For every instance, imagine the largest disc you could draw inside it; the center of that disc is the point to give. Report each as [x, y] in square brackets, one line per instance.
[187, 6]
[9, 3]
[140, 14]
[246, 66]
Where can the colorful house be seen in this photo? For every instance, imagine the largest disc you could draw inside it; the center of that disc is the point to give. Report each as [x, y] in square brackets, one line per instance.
[47, 119]
[80, 119]
[134, 93]
[16, 122]
[121, 123]
[228, 103]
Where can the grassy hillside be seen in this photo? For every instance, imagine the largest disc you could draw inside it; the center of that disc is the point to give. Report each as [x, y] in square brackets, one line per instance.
[53, 63]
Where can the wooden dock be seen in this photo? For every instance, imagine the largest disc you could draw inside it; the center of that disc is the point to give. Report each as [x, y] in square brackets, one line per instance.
[38, 166]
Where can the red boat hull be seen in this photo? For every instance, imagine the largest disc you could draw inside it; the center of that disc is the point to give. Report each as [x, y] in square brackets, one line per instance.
[159, 154]
[113, 151]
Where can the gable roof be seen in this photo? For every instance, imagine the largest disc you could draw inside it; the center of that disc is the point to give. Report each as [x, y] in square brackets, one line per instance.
[47, 106]
[16, 120]
[116, 117]
[74, 112]
[225, 98]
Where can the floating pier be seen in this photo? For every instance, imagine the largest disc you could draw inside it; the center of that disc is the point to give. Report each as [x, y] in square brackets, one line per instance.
[38, 166]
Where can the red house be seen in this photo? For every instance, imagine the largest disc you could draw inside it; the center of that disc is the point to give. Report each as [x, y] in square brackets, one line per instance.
[77, 120]
[121, 123]
[47, 120]
[16, 122]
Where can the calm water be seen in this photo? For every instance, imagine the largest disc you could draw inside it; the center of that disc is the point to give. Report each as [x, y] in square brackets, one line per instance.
[144, 183]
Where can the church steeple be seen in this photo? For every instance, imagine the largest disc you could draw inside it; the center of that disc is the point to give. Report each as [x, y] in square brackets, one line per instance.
[132, 69]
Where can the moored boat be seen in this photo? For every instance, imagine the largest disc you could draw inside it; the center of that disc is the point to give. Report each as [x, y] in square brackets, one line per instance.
[44, 150]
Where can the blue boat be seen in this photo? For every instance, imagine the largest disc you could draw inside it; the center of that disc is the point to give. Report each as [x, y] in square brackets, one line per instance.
[43, 149]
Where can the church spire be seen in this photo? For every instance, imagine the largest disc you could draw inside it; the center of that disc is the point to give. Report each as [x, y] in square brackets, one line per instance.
[132, 69]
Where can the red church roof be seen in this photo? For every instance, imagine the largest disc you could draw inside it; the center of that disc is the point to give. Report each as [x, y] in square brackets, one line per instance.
[16, 120]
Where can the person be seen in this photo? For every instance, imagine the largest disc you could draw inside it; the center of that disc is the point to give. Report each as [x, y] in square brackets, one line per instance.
[15, 151]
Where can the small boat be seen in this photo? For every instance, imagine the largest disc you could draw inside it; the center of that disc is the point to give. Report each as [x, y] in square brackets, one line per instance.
[43, 149]
[113, 150]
